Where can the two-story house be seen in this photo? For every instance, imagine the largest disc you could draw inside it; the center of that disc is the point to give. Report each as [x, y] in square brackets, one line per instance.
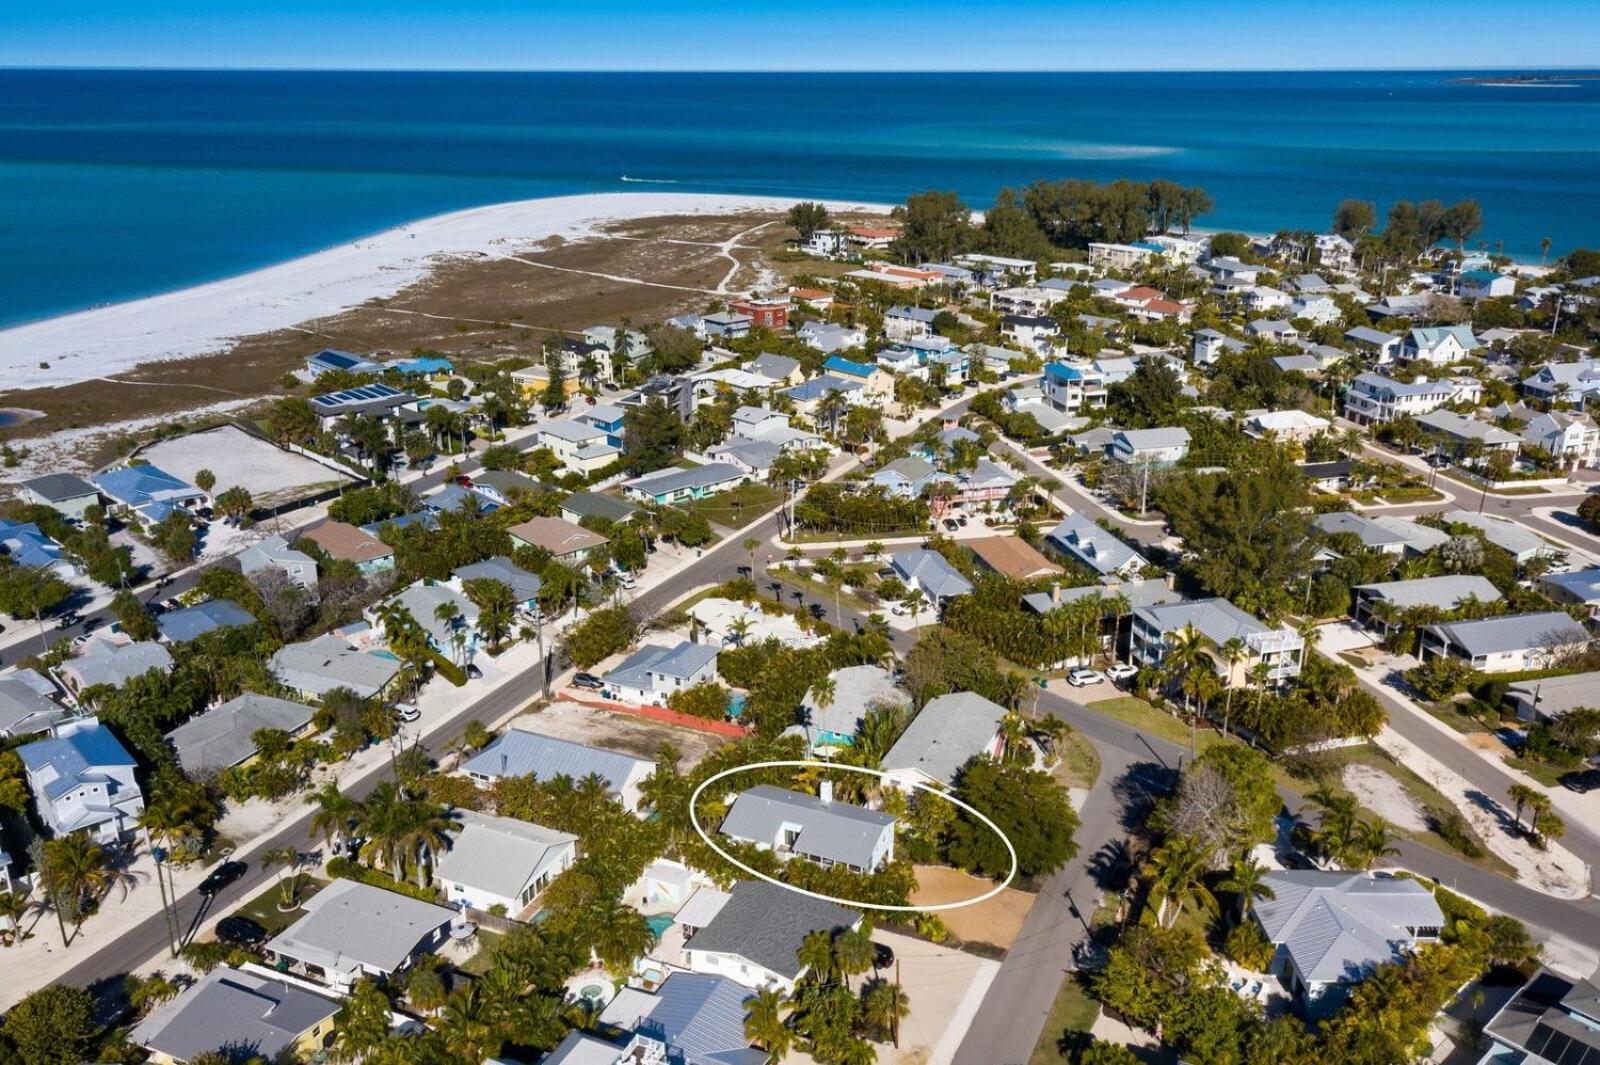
[1373, 399]
[82, 780]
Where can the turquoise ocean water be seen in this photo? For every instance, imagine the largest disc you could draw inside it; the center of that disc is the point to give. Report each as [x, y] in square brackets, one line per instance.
[119, 184]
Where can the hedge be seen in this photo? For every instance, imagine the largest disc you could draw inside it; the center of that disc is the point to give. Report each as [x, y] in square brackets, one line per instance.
[345, 869]
[449, 670]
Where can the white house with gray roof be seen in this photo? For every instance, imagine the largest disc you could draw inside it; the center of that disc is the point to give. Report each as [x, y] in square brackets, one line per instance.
[1547, 698]
[520, 753]
[931, 574]
[1515, 539]
[64, 493]
[524, 585]
[755, 937]
[353, 930]
[945, 735]
[652, 673]
[274, 553]
[1448, 592]
[1373, 399]
[816, 827]
[224, 736]
[674, 485]
[1087, 544]
[1156, 447]
[425, 603]
[316, 667]
[1217, 621]
[1507, 644]
[109, 662]
[1372, 535]
[238, 1011]
[857, 690]
[502, 861]
[82, 780]
[1332, 929]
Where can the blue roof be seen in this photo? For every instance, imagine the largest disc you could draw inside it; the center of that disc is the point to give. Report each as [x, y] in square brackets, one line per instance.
[424, 365]
[426, 518]
[27, 545]
[1060, 371]
[142, 484]
[701, 1017]
[334, 359]
[843, 365]
[74, 755]
[1583, 584]
[520, 753]
[818, 387]
[181, 626]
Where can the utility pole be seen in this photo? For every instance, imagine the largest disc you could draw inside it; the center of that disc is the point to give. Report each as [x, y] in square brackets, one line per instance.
[167, 916]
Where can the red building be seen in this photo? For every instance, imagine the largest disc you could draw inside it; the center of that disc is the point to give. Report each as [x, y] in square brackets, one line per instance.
[771, 312]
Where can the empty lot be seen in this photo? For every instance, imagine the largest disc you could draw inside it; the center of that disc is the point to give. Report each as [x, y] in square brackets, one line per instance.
[269, 474]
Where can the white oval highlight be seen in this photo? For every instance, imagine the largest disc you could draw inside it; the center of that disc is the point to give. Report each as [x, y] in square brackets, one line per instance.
[694, 819]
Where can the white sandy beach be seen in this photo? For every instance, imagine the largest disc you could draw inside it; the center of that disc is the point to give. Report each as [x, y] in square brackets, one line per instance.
[205, 319]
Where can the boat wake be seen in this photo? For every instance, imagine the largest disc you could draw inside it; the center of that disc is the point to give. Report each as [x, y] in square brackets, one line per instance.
[648, 181]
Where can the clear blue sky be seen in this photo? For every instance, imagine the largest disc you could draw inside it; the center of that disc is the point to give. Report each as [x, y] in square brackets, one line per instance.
[801, 34]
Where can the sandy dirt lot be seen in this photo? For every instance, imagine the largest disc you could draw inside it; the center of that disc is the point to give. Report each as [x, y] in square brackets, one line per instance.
[1379, 792]
[637, 736]
[996, 921]
[272, 475]
[946, 988]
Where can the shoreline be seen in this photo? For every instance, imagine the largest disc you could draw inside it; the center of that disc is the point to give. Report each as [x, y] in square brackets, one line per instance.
[206, 319]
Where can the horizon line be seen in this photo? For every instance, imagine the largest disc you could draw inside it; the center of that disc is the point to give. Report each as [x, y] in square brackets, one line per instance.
[153, 68]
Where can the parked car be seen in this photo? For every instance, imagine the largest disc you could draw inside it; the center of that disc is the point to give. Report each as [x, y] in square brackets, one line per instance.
[240, 931]
[1122, 671]
[1082, 678]
[882, 956]
[588, 680]
[221, 877]
[900, 610]
[950, 525]
[407, 712]
[1581, 781]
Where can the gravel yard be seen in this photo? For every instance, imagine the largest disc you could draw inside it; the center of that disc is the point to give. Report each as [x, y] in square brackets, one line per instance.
[269, 474]
[637, 736]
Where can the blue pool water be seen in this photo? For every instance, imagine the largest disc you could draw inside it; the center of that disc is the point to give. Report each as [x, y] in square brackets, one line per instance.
[736, 704]
[119, 184]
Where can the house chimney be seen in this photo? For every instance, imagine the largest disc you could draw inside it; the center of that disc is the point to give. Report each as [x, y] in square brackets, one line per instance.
[1055, 592]
[826, 793]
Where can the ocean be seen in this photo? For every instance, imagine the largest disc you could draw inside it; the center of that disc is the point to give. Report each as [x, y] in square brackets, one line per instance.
[120, 184]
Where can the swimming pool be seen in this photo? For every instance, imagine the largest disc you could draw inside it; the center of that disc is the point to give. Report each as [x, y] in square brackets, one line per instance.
[736, 704]
[659, 924]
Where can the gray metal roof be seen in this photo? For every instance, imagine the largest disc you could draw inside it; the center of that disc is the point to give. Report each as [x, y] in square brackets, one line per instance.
[1445, 592]
[1138, 594]
[1557, 695]
[1550, 1020]
[25, 704]
[1339, 925]
[1145, 439]
[222, 737]
[673, 479]
[499, 855]
[1216, 619]
[699, 1016]
[829, 831]
[596, 505]
[1417, 537]
[1514, 632]
[947, 734]
[572, 431]
[1502, 532]
[60, 487]
[856, 689]
[321, 665]
[181, 626]
[520, 753]
[1369, 532]
[1091, 545]
[773, 367]
[682, 662]
[238, 1012]
[766, 924]
[524, 585]
[349, 923]
[931, 572]
[104, 662]
[270, 553]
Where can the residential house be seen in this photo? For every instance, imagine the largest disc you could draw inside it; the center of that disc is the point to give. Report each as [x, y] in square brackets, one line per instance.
[1036, 333]
[1460, 433]
[905, 278]
[566, 541]
[1329, 476]
[316, 667]
[906, 478]
[1444, 593]
[534, 382]
[192, 622]
[675, 393]
[725, 325]
[28, 704]
[876, 384]
[1316, 308]
[902, 322]
[524, 586]
[224, 736]
[946, 734]
[998, 268]
[828, 338]
[1152, 447]
[82, 780]
[1373, 535]
[815, 827]
[607, 417]
[331, 360]
[1331, 929]
[581, 447]
[1335, 252]
[1552, 1019]
[1030, 301]
[1507, 644]
[827, 243]
[1107, 255]
[372, 401]
[818, 299]
[1576, 383]
[873, 238]
[653, 673]
[1547, 698]
[1517, 540]
[1086, 543]
[1210, 345]
[449, 618]
[754, 458]
[112, 663]
[275, 554]
[1580, 588]
[232, 1012]
[1070, 387]
[1276, 330]
[1573, 439]
[580, 505]
[502, 861]
[1227, 268]
[857, 690]
[1384, 347]
[782, 371]
[347, 543]
[1218, 621]
[929, 573]
[65, 493]
[674, 485]
[26, 545]
[755, 938]
[505, 487]
[691, 1019]
[1418, 539]
[520, 753]
[1440, 345]
[352, 931]
[807, 398]
[1011, 556]
[637, 343]
[1485, 284]
[1291, 425]
[148, 492]
[1374, 399]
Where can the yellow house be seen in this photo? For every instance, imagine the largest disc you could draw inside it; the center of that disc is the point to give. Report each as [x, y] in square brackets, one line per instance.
[232, 1007]
[533, 380]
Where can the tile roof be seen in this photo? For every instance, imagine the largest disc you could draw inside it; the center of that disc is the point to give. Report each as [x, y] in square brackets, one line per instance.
[346, 542]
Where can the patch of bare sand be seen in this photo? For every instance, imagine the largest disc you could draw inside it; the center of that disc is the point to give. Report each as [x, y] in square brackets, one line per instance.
[1385, 796]
[995, 921]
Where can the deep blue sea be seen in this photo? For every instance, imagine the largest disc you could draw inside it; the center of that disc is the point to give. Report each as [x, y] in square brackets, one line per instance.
[118, 184]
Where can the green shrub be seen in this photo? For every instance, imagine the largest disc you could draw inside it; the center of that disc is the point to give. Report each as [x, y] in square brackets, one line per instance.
[449, 670]
[1458, 832]
[345, 869]
[1246, 945]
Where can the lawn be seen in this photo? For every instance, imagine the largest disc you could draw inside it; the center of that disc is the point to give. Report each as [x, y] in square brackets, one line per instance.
[822, 591]
[1141, 715]
[1547, 775]
[263, 909]
[488, 943]
[1080, 762]
[1072, 1012]
[736, 507]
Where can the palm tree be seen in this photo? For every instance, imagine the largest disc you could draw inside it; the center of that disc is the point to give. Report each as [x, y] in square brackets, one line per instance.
[424, 830]
[816, 956]
[335, 815]
[15, 906]
[77, 873]
[853, 952]
[750, 545]
[496, 608]
[1247, 880]
[822, 692]
[764, 1023]
[1232, 652]
[1522, 795]
[884, 1006]
[915, 601]
[1176, 870]
[286, 860]
[1371, 841]
[465, 1027]
[560, 583]
[449, 615]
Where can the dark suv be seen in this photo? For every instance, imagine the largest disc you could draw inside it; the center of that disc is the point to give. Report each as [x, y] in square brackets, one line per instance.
[221, 877]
